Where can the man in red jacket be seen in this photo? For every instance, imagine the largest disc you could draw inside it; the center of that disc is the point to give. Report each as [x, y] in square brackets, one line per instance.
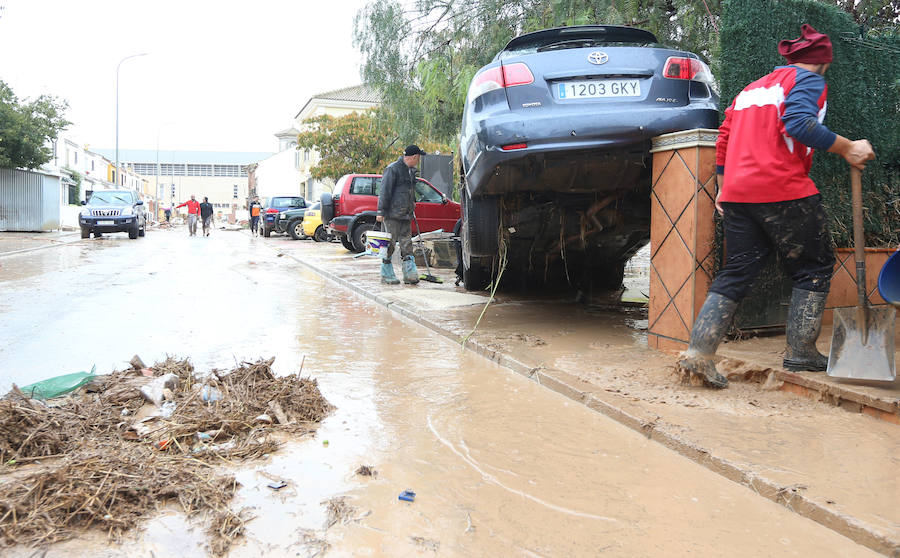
[763, 156]
[193, 214]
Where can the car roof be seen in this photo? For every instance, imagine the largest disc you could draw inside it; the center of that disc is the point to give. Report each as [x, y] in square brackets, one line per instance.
[611, 33]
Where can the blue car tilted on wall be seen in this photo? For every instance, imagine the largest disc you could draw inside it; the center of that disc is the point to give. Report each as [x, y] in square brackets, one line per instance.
[555, 146]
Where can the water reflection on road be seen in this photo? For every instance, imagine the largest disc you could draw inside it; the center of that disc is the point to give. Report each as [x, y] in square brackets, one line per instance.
[500, 465]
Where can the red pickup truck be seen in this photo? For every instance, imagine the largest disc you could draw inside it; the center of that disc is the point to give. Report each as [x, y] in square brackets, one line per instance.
[350, 210]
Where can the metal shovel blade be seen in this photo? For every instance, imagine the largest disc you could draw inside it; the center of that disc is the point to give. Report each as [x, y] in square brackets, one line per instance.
[863, 351]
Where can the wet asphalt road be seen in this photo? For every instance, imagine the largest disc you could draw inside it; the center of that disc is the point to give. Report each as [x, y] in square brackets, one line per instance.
[500, 465]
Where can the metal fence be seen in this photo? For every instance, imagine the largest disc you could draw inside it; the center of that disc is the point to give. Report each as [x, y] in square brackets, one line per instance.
[29, 201]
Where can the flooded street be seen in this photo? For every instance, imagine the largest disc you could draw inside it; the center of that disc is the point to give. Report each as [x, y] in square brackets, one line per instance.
[500, 465]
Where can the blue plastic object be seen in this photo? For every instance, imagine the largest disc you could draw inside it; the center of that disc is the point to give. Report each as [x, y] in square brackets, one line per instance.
[889, 280]
[407, 496]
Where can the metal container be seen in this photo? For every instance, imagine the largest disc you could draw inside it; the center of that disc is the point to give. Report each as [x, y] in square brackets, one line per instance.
[29, 201]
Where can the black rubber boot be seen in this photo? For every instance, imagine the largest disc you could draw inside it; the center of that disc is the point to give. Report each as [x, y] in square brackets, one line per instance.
[710, 327]
[804, 322]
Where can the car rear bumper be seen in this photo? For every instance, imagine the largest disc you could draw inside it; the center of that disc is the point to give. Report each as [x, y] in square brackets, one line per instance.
[340, 225]
[281, 225]
[556, 137]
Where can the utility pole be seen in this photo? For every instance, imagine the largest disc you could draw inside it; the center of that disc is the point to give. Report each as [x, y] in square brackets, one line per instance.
[118, 179]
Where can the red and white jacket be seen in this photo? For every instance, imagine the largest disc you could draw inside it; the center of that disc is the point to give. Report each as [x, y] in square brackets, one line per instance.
[766, 142]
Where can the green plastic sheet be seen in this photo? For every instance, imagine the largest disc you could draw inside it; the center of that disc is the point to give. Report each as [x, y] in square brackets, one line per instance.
[59, 385]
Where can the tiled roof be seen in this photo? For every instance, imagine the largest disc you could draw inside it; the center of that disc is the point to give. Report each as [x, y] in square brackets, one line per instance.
[362, 93]
[287, 132]
[358, 93]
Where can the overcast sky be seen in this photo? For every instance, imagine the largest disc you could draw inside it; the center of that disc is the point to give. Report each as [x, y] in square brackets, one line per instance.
[218, 75]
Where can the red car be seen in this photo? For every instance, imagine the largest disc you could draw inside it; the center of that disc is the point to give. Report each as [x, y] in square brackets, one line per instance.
[350, 210]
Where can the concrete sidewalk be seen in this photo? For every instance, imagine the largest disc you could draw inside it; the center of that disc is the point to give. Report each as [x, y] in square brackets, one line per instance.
[20, 242]
[835, 467]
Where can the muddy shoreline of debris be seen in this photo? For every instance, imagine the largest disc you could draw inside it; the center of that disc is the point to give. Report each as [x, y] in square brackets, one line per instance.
[128, 444]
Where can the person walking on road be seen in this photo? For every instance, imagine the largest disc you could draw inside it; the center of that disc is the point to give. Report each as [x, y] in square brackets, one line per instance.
[193, 213]
[255, 211]
[396, 203]
[206, 214]
[763, 156]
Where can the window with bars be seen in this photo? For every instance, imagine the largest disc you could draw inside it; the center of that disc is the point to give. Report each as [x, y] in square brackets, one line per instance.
[235, 191]
[146, 169]
[244, 171]
[199, 170]
[170, 169]
[226, 170]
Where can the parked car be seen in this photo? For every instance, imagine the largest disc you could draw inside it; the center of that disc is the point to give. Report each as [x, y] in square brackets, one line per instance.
[291, 222]
[312, 224]
[555, 145]
[108, 211]
[350, 210]
[274, 205]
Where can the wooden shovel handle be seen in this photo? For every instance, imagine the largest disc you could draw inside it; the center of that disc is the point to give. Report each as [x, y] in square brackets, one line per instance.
[859, 239]
[859, 252]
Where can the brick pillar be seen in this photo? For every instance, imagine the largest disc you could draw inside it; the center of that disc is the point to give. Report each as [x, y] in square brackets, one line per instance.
[682, 234]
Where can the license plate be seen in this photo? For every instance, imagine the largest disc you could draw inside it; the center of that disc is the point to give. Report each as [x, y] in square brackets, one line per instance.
[598, 88]
[106, 222]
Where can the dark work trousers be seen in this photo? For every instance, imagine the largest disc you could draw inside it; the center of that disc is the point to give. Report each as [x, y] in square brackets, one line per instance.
[401, 232]
[796, 229]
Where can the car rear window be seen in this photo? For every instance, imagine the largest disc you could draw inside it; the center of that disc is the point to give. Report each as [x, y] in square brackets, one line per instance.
[287, 202]
[366, 185]
[577, 37]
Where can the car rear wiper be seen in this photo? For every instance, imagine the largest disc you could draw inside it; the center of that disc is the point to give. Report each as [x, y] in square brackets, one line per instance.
[571, 43]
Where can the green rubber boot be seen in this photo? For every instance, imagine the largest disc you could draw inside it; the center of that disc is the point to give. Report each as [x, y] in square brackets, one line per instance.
[387, 273]
[710, 327]
[804, 322]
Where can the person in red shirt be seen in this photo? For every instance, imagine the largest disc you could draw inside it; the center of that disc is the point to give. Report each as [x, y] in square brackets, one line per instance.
[193, 214]
[763, 156]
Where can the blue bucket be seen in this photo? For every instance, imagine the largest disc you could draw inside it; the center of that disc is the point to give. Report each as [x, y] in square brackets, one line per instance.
[889, 280]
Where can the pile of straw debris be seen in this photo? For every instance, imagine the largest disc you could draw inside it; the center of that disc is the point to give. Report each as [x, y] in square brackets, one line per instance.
[106, 458]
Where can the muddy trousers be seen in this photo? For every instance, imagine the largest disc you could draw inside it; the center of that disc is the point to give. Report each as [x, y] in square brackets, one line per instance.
[206, 223]
[401, 232]
[797, 230]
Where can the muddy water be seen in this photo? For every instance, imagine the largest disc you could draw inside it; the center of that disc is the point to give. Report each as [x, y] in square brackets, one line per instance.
[500, 465]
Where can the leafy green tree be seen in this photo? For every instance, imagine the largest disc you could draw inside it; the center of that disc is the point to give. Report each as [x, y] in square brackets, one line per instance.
[26, 127]
[357, 142]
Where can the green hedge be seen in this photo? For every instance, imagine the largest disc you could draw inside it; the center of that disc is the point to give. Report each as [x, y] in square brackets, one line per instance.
[863, 100]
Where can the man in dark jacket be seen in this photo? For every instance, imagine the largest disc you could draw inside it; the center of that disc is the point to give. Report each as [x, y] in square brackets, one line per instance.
[763, 156]
[206, 213]
[396, 203]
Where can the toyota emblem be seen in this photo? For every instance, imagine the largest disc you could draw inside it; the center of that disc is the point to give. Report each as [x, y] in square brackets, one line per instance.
[598, 57]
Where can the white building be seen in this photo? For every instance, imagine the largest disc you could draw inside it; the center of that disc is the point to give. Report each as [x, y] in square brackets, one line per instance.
[174, 176]
[287, 172]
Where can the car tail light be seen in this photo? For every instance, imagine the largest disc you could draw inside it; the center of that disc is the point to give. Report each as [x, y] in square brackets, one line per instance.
[513, 146]
[271, 210]
[687, 68]
[500, 77]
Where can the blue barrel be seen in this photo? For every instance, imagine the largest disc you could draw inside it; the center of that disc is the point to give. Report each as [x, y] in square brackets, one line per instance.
[889, 280]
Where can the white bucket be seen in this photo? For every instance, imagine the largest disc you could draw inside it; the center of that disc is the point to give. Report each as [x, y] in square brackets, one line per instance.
[377, 242]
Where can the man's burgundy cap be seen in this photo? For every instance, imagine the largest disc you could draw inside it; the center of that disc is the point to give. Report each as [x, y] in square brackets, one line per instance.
[811, 47]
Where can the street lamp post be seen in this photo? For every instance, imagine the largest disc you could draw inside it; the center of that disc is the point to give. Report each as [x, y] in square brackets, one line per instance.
[117, 111]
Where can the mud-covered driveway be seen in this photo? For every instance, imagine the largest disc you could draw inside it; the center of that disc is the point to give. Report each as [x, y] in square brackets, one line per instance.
[500, 465]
